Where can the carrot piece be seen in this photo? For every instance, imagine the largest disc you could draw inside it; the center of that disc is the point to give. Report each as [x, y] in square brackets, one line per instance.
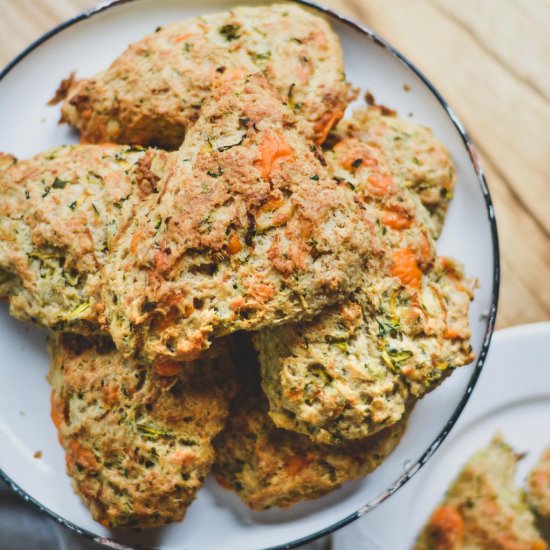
[273, 149]
[234, 246]
[56, 411]
[183, 37]
[228, 76]
[161, 260]
[451, 334]
[78, 454]
[381, 185]
[446, 528]
[134, 241]
[272, 204]
[168, 368]
[353, 162]
[296, 464]
[324, 127]
[405, 268]
[396, 219]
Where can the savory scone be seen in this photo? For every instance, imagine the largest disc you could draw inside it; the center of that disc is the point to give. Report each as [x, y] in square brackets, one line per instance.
[349, 372]
[415, 154]
[483, 509]
[267, 466]
[153, 92]
[59, 212]
[538, 491]
[248, 230]
[137, 438]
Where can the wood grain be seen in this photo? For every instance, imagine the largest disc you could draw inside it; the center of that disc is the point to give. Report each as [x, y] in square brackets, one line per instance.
[489, 59]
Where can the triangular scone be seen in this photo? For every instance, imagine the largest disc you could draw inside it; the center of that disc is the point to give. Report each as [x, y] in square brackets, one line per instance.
[137, 438]
[153, 92]
[483, 509]
[247, 230]
[59, 213]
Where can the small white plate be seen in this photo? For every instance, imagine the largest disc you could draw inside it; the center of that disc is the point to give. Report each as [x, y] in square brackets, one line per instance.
[218, 519]
[512, 397]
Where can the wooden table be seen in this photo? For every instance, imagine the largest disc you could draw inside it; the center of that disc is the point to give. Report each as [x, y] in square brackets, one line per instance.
[489, 58]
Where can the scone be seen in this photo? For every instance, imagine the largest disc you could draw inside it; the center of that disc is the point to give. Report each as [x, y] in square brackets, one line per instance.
[59, 214]
[349, 372]
[137, 438]
[483, 509]
[267, 466]
[153, 92]
[247, 230]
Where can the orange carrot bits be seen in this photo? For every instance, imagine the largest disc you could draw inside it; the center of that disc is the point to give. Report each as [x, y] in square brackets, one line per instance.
[183, 37]
[325, 125]
[381, 185]
[273, 150]
[296, 464]
[234, 246]
[134, 241]
[396, 219]
[168, 368]
[56, 411]
[446, 528]
[405, 268]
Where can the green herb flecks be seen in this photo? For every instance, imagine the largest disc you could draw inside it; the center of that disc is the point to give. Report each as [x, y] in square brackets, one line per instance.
[215, 174]
[78, 310]
[230, 32]
[152, 432]
[319, 372]
[59, 183]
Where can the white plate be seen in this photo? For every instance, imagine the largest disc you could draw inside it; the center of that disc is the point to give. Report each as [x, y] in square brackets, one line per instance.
[218, 519]
[512, 397]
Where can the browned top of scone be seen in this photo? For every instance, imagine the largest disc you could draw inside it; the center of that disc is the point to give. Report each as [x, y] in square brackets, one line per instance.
[59, 212]
[153, 92]
[247, 229]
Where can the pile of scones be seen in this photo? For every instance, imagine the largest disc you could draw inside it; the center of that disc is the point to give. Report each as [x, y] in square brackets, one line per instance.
[236, 277]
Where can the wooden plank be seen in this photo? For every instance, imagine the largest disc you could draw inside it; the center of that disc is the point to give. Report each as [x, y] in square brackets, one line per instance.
[505, 117]
[525, 258]
[517, 37]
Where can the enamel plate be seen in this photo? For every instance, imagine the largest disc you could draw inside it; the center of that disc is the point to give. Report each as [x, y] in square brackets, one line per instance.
[218, 519]
[512, 397]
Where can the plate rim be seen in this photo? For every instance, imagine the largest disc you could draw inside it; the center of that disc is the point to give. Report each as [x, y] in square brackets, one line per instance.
[491, 316]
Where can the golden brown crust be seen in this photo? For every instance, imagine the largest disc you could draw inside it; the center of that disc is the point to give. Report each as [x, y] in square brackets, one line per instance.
[247, 230]
[152, 93]
[138, 445]
[59, 214]
[414, 154]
